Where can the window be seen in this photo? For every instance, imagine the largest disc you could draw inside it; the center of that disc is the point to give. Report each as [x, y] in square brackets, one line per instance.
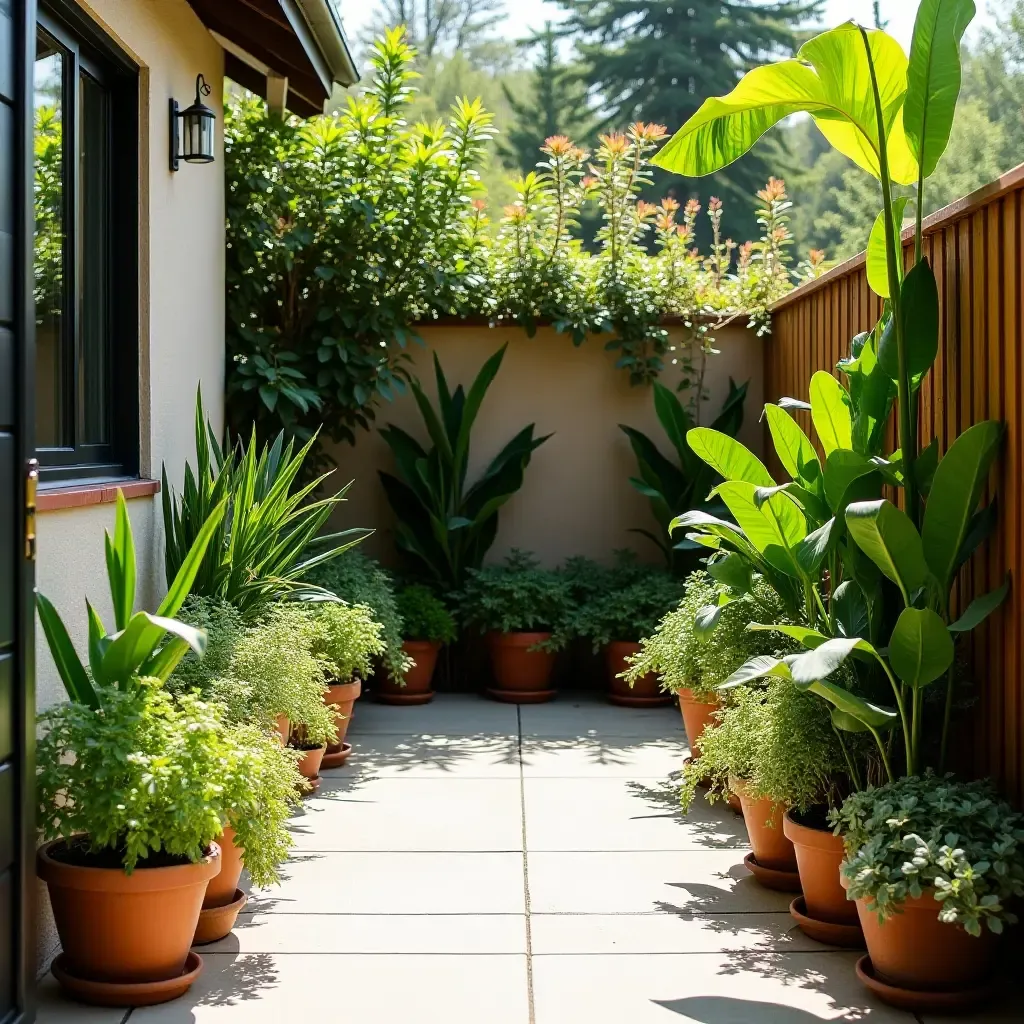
[86, 243]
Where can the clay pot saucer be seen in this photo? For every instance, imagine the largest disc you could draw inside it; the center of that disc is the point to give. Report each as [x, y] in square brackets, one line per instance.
[920, 1001]
[336, 758]
[139, 993]
[849, 936]
[403, 699]
[772, 878]
[216, 922]
[522, 696]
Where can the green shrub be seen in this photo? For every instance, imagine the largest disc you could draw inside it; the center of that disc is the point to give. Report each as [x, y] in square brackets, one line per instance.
[149, 774]
[346, 637]
[778, 739]
[359, 580]
[424, 615]
[516, 595]
[685, 658]
[932, 834]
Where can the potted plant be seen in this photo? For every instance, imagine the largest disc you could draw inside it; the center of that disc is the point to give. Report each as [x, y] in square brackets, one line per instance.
[519, 606]
[345, 638]
[128, 783]
[615, 618]
[427, 625]
[934, 865]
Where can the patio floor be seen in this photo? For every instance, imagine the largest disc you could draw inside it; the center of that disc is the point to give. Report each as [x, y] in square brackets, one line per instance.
[476, 863]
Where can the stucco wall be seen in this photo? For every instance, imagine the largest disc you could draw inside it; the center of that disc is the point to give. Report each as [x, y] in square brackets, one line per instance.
[576, 498]
[181, 219]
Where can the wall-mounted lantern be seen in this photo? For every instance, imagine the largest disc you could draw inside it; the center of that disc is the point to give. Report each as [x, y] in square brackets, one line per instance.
[192, 129]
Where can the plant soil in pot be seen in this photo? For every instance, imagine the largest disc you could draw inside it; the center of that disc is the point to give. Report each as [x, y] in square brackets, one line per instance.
[418, 679]
[645, 692]
[124, 930]
[773, 860]
[521, 675]
[223, 900]
[823, 912]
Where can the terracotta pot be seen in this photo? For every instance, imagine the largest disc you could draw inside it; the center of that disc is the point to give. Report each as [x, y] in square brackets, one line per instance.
[819, 854]
[696, 717]
[221, 890]
[764, 827]
[125, 929]
[915, 950]
[519, 673]
[644, 693]
[284, 727]
[344, 695]
[309, 763]
[417, 688]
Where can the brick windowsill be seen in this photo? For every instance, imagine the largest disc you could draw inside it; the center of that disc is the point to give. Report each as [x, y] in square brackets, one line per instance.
[60, 496]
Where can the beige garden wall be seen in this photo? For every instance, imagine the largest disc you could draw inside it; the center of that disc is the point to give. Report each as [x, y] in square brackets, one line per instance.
[576, 499]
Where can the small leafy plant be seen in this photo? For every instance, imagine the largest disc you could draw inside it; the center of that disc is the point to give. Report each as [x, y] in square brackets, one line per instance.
[444, 525]
[354, 578]
[932, 834]
[346, 638]
[424, 616]
[515, 596]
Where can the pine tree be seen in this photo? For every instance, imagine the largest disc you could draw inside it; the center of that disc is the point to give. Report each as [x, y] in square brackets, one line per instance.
[658, 60]
[556, 104]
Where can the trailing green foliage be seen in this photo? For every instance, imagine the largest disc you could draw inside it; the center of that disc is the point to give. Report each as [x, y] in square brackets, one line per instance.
[779, 740]
[346, 638]
[268, 542]
[140, 647]
[684, 657]
[424, 616]
[932, 835]
[146, 774]
[354, 578]
[676, 486]
[446, 526]
[344, 232]
[516, 595]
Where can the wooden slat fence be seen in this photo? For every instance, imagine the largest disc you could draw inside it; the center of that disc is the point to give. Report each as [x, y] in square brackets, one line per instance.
[975, 250]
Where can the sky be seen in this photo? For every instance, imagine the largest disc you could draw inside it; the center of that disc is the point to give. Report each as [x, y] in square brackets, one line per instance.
[527, 15]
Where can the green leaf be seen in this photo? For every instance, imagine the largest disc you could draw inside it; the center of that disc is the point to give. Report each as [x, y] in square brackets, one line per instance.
[872, 392]
[851, 609]
[804, 635]
[794, 449]
[831, 412]
[920, 648]
[831, 80]
[813, 506]
[182, 583]
[676, 423]
[887, 536]
[733, 571]
[65, 657]
[810, 552]
[759, 667]
[920, 314]
[874, 715]
[843, 468]
[925, 464]
[877, 260]
[773, 529]
[124, 552]
[846, 722]
[955, 492]
[933, 77]
[730, 459]
[98, 642]
[981, 608]
[822, 660]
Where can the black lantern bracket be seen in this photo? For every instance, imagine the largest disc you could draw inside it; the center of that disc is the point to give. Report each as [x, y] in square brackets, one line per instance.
[192, 129]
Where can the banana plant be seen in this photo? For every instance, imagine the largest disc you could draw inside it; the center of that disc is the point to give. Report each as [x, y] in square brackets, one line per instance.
[445, 525]
[673, 488]
[139, 647]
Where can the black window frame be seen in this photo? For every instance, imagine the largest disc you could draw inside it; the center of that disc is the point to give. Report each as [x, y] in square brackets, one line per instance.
[90, 50]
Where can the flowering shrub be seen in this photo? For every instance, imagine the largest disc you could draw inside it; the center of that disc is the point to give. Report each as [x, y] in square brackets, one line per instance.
[345, 231]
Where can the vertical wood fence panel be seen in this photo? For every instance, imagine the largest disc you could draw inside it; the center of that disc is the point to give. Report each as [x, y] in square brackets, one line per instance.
[974, 247]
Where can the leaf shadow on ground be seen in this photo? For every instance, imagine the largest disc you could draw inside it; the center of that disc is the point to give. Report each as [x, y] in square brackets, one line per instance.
[714, 826]
[231, 977]
[729, 1010]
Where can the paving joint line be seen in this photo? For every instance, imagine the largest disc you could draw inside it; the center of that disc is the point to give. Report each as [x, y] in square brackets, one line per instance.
[531, 1009]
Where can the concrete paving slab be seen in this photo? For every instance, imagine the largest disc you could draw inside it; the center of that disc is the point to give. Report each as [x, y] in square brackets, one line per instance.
[709, 988]
[53, 1007]
[264, 989]
[713, 882]
[622, 814]
[626, 757]
[448, 714]
[666, 933]
[411, 814]
[590, 717]
[397, 883]
[374, 933]
[389, 756]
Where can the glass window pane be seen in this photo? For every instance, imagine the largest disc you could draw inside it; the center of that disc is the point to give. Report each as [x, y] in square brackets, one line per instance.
[52, 343]
[93, 261]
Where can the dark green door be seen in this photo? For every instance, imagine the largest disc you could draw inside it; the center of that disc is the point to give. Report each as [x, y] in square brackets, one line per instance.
[17, 550]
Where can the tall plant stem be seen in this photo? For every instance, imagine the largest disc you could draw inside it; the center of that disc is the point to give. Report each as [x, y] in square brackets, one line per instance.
[851, 767]
[908, 736]
[908, 440]
[885, 756]
[947, 715]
